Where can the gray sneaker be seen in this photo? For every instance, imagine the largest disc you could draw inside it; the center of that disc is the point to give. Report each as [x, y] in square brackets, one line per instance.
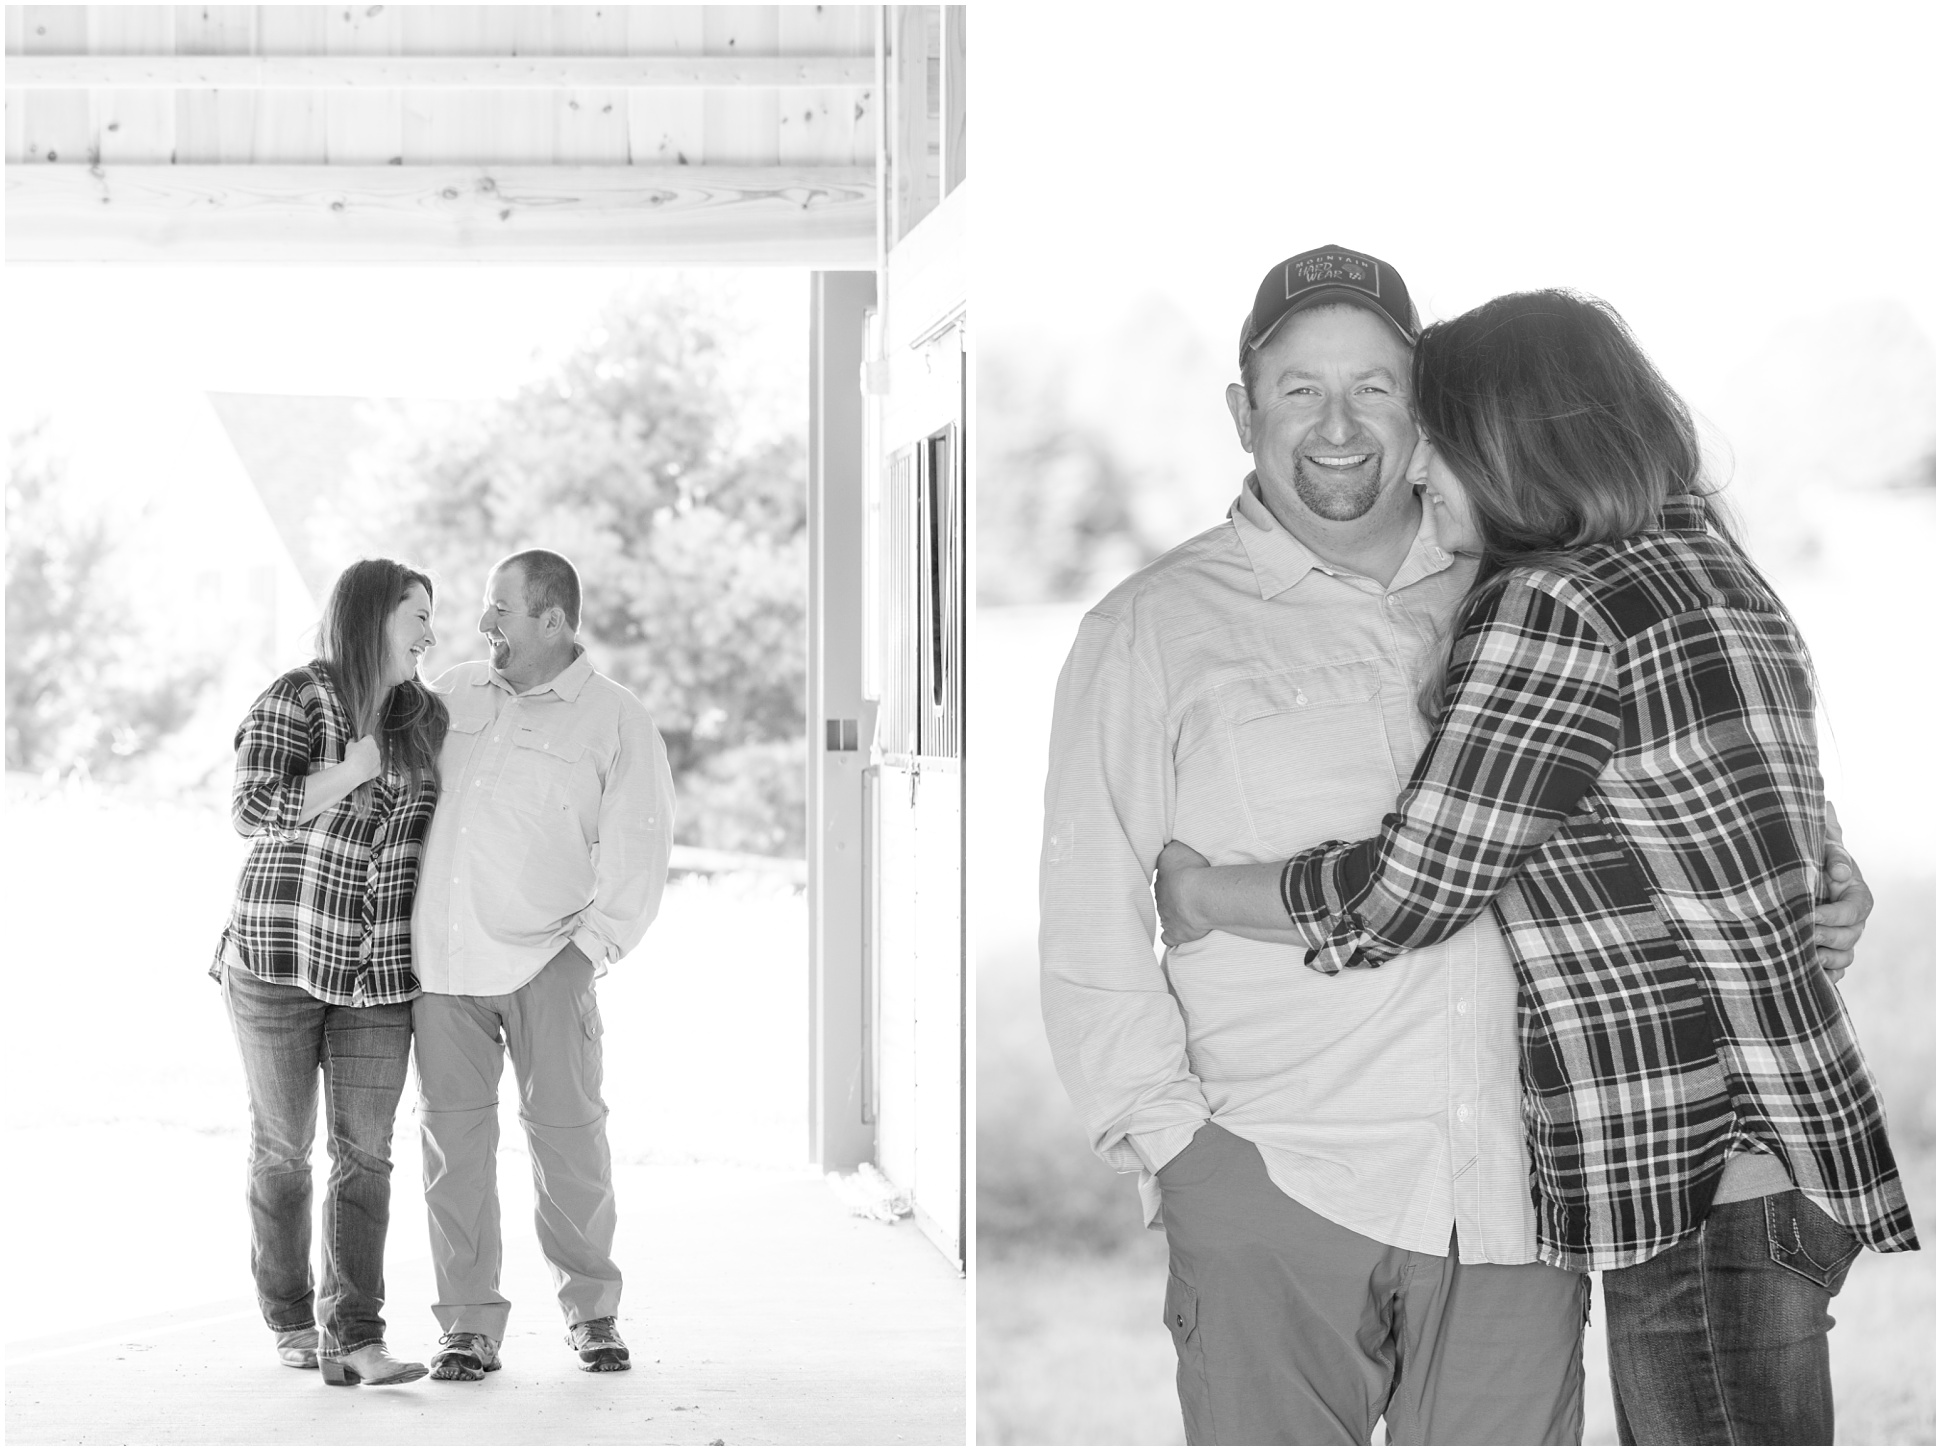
[599, 1345]
[467, 1355]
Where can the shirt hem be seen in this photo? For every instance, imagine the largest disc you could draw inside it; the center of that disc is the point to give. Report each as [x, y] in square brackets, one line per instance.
[336, 1000]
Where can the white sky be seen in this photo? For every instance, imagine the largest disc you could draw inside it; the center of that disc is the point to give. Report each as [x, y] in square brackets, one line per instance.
[428, 332]
[1711, 170]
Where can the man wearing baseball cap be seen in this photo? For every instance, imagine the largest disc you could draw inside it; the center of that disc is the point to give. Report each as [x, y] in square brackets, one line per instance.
[1340, 1163]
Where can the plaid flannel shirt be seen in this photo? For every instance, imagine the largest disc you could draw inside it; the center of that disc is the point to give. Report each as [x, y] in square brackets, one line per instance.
[1626, 770]
[324, 904]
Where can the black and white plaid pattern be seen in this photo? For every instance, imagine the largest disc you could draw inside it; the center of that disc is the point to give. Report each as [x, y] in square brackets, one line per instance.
[325, 904]
[1627, 771]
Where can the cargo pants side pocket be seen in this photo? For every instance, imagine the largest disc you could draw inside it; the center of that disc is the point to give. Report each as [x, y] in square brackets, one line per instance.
[1195, 1395]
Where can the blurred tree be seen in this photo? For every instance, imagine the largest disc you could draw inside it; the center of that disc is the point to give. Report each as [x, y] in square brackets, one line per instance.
[680, 494]
[1054, 502]
[90, 689]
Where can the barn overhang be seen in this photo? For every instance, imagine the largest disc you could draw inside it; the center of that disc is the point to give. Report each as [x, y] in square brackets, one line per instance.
[644, 135]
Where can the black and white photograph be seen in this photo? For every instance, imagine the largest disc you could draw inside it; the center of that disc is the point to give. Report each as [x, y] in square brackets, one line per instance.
[487, 592]
[662, 789]
[1453, 892]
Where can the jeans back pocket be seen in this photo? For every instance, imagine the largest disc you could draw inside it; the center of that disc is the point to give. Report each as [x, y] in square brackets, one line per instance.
[1807, 1240]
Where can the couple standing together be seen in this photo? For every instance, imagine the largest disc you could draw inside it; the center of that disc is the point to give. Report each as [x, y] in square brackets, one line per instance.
[1472, 637]
[453, 866]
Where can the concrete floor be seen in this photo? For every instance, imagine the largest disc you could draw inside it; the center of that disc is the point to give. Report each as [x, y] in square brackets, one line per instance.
[758, 1310]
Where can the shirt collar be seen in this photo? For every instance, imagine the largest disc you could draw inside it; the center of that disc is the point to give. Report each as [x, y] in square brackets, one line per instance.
[1683, 514]
[566, 685]
[1280, 561]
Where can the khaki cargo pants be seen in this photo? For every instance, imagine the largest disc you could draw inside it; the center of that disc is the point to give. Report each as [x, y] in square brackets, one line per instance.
[551, 1029]
[1294, 1331]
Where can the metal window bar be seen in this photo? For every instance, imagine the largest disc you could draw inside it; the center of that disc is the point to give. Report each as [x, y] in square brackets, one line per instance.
[941, 575]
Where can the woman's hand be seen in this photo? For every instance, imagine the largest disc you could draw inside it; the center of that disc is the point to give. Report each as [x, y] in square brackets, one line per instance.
[1172, 889]
[324, 789]
[364, 759]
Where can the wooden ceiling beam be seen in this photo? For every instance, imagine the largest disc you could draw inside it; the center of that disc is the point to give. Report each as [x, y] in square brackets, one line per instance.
[723, 216]
[418, 72]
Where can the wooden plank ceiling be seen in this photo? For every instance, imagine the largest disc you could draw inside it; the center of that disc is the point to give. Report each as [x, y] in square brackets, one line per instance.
[675, 134]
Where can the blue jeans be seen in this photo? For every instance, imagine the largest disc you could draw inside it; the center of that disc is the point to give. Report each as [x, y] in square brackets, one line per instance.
[1721, 1339]
[286, 1037]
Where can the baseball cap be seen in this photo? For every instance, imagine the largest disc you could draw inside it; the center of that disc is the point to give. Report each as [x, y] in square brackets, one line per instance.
[1328, 274]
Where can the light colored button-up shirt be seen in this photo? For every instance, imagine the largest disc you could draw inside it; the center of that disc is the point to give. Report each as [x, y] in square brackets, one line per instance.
[1245, 697]
[554, 824]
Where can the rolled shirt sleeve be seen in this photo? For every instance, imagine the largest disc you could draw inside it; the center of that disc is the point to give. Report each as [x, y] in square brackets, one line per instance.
[273, 761]
[1116, 1032]
[1533, 717]
[636, 838]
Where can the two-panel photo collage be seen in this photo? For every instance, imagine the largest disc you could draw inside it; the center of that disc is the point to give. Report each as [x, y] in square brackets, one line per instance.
[997, 724]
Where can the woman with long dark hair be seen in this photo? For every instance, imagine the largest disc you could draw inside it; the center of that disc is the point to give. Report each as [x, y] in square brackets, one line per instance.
[336, 778]
[1624, 768]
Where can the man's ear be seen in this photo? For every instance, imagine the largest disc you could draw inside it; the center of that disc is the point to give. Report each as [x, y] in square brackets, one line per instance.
[1242, 409]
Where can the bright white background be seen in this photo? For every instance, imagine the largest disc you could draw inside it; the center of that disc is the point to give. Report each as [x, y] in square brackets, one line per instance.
[408, 332]
[1709, 169]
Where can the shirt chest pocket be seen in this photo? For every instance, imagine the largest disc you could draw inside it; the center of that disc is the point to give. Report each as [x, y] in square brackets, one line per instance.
[538, 773]
[1310, 755]
[459, 758]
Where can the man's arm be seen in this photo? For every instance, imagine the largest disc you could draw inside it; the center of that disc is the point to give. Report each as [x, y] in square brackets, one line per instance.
[636, 837]
[1247, 900]
[1114, 1026]
[1842, 917]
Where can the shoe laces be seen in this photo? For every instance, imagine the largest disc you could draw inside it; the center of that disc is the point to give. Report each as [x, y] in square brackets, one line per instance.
[457, 1337]
[597, 1334]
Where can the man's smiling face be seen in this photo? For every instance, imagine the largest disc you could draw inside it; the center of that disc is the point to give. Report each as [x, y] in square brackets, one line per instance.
[1328, 422]
[513, 634]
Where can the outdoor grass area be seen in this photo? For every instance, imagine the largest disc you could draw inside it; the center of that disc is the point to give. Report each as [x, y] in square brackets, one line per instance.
[126, 1122]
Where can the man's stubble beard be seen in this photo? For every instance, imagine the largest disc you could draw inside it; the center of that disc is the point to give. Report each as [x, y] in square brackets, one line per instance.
[1327, 496]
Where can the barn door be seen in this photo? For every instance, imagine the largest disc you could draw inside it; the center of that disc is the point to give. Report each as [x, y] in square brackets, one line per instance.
[916, 595]
[917, 799]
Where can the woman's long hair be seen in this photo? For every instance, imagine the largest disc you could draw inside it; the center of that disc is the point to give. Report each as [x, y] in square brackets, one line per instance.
[1562, 431]
[408, 720]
